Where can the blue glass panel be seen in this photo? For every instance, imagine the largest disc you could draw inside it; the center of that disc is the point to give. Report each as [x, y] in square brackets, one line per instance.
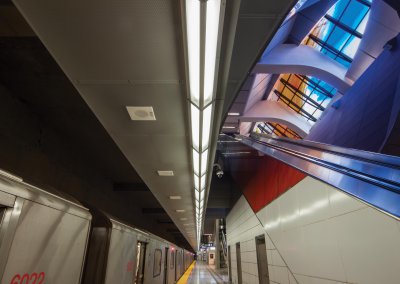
[352, 46]
[337, 10]
[354, 14]
[338, 36]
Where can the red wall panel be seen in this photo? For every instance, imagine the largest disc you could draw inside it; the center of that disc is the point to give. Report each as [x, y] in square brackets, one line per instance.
[268, 180]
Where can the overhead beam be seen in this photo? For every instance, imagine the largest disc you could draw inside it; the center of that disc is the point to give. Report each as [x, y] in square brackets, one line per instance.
[304, 60]
[273, 111]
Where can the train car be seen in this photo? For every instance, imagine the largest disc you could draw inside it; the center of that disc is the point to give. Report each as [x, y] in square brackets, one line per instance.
[119, 253]
[43, 237]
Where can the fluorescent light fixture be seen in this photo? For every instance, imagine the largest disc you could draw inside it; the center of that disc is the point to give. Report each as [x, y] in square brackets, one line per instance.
[228, 127]
[175, 197]
[196, 162]
[233, 113]
[165, 173]
[183, 219]
[180, 210]
[204, 158]
[203, 20]
[195, 115]
[196, 182]
[212, 24]
[205, 140]
[203, 182]
[193, 39]
[202, 194]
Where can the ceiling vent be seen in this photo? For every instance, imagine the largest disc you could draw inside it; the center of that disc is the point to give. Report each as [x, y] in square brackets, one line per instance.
[141, 113]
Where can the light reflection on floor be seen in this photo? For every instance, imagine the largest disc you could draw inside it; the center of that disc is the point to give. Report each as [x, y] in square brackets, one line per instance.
[202, 274]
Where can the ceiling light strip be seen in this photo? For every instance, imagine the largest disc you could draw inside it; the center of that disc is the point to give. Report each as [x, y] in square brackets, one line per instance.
[203, 35]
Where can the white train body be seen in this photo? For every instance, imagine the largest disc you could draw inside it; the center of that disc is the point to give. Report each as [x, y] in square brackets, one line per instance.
[48, 239]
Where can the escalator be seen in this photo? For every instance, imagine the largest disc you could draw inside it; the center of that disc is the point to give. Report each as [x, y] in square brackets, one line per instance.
[372, 178]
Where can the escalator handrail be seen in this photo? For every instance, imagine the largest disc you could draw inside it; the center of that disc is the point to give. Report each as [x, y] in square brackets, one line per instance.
[376, 171]
[370, 157]
[378, 174]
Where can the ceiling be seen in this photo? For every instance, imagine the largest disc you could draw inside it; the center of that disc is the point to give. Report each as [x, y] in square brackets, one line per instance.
[31, 75]
[130, 53]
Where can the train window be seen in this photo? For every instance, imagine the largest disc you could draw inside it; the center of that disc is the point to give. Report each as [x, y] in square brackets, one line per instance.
[172, 262]
[157, 262]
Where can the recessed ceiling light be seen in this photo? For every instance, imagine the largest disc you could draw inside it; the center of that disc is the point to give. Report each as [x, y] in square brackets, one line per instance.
[234, 113]
[180, 210]
[141, 112]
[175, 197]
[187, 224]
[165, 173]
[183, 219]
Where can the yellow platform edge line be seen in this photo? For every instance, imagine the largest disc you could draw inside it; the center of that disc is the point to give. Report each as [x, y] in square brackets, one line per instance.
[185, 276]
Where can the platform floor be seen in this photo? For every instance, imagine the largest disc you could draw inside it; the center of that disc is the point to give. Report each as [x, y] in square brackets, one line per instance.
[204, 274]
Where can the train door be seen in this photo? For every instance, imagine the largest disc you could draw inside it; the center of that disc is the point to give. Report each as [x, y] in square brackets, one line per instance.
[171, 273]
[176, 265]
[140, 262]
[239, 263]
[166, 266]
[229, 264]
[183, 262]
[9, 217]
[262, 261]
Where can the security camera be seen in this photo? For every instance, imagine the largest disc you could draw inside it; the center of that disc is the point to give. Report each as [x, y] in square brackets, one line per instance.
[219, 171]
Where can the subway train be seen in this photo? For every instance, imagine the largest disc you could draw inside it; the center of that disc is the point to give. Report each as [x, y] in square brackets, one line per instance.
[51, 239]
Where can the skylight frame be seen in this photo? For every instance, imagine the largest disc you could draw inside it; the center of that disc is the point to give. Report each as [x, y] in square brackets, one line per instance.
[335, 24]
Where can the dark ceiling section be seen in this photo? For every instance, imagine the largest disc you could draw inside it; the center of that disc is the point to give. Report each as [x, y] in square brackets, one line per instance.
[50, 137]
[225, 190]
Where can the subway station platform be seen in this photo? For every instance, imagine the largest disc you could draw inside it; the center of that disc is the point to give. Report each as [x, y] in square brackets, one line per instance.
[156, 141]
[201, 272]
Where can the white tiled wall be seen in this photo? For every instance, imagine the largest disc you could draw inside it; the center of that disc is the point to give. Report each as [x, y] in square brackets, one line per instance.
[326, 236]
[243, 226]
[316, 234]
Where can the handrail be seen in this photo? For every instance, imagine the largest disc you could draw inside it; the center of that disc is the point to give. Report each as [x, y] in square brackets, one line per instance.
[371, 177]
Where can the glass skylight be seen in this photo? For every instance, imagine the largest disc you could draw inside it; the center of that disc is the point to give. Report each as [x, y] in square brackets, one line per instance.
[338, 34]
[307, 96]
[276, 129]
